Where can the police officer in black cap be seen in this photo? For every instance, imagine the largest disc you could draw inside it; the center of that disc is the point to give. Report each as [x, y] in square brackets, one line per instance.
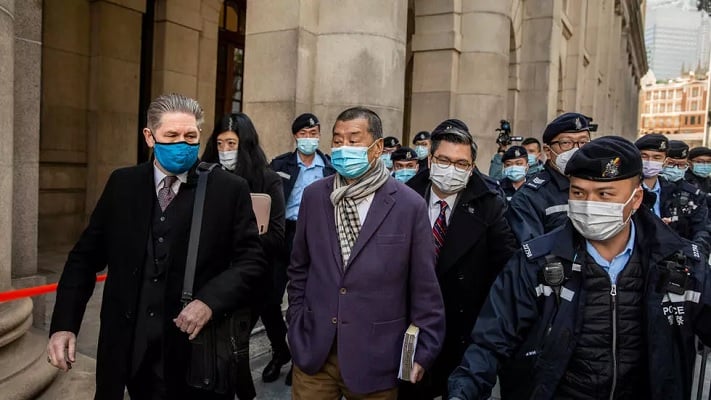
[699, 173]
[422, 144]
[682, 205]
[606, 306]
[298, 169]
[405, 164]
[390, 144]
[515, 163]
[540, 205]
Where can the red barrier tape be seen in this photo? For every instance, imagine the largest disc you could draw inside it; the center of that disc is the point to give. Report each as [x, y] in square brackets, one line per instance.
[35, 291]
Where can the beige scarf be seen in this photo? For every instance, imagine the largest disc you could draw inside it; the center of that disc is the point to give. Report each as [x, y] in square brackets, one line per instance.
[345, 198]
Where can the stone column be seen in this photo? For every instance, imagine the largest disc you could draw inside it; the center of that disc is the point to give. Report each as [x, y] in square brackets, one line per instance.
[113, 91]
[539, 66]
[436, 46]
[482, 86]
[361, 61]
[7, 95]
[279, 70]
[28, 62]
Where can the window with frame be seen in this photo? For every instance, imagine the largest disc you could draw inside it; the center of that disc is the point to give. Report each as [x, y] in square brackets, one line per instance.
[230, 57]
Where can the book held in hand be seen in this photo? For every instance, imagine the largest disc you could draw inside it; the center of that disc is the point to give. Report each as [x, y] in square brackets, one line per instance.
[407, 357]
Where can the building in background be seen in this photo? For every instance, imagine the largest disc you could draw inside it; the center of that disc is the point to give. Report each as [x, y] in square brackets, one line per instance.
[676, 108]
[677, 37]
[76, 77]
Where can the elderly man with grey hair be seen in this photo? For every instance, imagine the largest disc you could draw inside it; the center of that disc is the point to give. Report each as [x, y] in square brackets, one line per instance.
[140, 229]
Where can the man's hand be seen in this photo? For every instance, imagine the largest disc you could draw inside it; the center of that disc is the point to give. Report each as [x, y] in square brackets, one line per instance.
[416, 373]
[61, 350]
[667, 220]
[193, 317]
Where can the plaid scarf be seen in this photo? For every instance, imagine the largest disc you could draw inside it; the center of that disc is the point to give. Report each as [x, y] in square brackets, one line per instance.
[345, 198]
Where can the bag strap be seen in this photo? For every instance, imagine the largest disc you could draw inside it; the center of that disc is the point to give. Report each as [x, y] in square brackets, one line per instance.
[203, 170]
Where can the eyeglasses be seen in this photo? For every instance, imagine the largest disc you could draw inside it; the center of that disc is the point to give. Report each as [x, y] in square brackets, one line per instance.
[566, 144]
[678, 164]
[460, 166]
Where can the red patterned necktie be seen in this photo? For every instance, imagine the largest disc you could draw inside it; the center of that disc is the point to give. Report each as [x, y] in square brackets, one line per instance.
[440, 227]
[166, 194]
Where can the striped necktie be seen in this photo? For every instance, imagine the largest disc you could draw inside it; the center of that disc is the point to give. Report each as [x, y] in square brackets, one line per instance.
[440, 227]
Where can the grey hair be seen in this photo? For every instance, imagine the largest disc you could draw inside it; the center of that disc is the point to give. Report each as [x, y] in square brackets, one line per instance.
[375, 126]
[173, 102]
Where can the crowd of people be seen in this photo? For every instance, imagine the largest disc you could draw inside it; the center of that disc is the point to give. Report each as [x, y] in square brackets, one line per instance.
[577, 269]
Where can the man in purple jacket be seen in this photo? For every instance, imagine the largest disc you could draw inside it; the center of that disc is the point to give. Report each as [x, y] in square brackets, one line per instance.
[362, 269]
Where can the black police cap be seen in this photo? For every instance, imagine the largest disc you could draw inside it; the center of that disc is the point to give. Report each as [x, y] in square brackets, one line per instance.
[678, 149]
[653, 141]
[568, 122]
[404, 154]
[606, 159]
[391, 141]
[514, 152]
[422, 135]
[306, 120]
[698, 152]
[450, 123]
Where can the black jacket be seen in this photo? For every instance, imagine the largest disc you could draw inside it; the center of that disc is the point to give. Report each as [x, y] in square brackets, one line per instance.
[230, 265]
[288, 168]
[524, 329]
[477, 245]
[686, 206]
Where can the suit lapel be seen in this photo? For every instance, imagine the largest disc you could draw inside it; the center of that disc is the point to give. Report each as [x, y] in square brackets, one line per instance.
[332, 233]
[383, 202]
[464, 230]
[144, 197]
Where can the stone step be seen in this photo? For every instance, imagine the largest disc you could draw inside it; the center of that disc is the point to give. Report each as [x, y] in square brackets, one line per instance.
[78, 384]
[24, 371]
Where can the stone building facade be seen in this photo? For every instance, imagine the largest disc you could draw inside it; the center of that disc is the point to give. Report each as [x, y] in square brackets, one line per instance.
[76, 77]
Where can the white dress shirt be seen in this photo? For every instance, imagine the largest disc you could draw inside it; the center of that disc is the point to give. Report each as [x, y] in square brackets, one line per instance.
[159, 175]
[434, 207]
[364, 206]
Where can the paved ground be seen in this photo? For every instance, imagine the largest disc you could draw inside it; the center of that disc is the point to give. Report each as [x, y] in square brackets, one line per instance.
[52, 262]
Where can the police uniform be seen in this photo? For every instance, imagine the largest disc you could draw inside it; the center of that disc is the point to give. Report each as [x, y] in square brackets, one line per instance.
[404, 154]
[703, 183]
[512, 153]
[541, 204]
[684, 204]
[556, 324]
[422, 135]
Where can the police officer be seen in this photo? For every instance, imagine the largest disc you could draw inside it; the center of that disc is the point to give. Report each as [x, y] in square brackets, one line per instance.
[607, 306]
[700, 168]
[682, 205]
[405, 164]
[297, 169]
[422, 144]
[515, 161]
[390, 144]
[535, 155]
[541, 204]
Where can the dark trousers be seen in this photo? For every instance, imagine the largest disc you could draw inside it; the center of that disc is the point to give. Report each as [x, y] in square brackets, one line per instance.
[148, 383]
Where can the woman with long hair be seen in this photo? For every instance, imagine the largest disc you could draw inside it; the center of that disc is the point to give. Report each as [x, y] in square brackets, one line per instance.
[235, 144]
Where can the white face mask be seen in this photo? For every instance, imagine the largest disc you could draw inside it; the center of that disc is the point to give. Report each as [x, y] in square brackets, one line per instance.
[561, 160]
[449, 180]
[598, 220]
[228, 159]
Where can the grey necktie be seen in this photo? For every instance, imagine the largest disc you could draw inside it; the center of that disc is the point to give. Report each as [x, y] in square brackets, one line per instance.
[166, 194]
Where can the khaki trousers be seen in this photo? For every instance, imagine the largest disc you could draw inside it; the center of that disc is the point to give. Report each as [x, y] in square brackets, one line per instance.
[327, 384]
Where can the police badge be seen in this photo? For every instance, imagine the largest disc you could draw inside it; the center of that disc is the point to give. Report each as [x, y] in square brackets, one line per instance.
[663, 146]
[612, 169]
[578, 124]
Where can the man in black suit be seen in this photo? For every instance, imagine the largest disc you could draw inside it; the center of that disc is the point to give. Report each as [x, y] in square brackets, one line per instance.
[140, 229]
[298, 169]
[473, 242]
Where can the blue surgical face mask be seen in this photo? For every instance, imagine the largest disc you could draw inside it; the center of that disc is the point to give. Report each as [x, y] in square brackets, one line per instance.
[405, 174]
[307, 146]
[701, 170]
[350, 161]
[673, 174]
[532, 160]
[177, 157]
[515, 173]
[387, 160]
[421, 151]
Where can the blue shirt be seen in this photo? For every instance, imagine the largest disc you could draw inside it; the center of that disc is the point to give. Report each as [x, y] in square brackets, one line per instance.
[657, 190]
[307, 176]
[614, 267]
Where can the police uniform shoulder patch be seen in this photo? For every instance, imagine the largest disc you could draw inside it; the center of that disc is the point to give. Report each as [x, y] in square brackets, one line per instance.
[537, 182]
[538, 247]
[688, 187]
